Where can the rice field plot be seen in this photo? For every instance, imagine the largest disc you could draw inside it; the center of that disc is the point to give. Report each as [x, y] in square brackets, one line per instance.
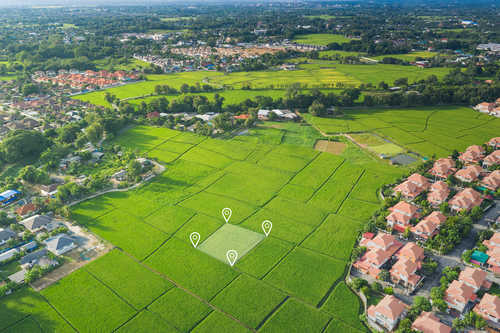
[127, 278]
[202, 156]
[88, 304]
[335, 325]
[183, 172]
[408, 56]
[218, 322]
[283, 162]
[295, 316]
[358, 210]
[300, 264]
[321, 39]
[428, 150]
[230, 237]
[343, 304]
[335, 237]
[175, 146]
[202, 224]
[163, 155]
[305, 153]
[284, 227]
[318, 171]
[26, 325]
[368, 185]
[28, 304]
[229, 148]
[249, 300]
[146, 322]
[399, 135]
[253, 190]
[212, 205]
[296, 192]
[169, 218]
[180, 309]
[129, 233]
[144, 138]
[300, 212]
[330, 196]
[264, 256]
[253, 171]
[216, 275]
[86, 211]
[261, 135]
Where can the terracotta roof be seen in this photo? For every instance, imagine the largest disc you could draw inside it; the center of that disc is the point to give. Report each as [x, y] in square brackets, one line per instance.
[439, 192]
[412, 252]
[429, 323]
[473, 276]
[489, 305]
[25, 209]
[494, 141]
[405, 208]
[493, 158]
[408, 189]
[419, 180]
[443, 167]
[459, 291]
[492, 181]
[466, 199]
[382, 241]
[405, 268]
[436, 217]
[472, 154]
[469, 174]
[390, 307]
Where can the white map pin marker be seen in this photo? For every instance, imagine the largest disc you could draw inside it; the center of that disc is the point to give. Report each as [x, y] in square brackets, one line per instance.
[195, 238]
[226, 214]
[266, 227]
[232, 256]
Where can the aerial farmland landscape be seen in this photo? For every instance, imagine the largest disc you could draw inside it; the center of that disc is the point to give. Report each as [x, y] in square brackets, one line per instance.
[249, 166]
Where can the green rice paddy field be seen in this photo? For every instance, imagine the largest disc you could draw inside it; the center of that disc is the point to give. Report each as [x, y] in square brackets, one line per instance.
[156, 281]
[321, 39]
[270, 83]
[424, 130]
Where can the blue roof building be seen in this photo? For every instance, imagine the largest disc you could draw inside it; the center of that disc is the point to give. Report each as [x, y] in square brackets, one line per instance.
[9, 196]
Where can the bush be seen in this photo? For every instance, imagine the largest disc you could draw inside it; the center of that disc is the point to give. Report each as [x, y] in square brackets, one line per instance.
[388, 291]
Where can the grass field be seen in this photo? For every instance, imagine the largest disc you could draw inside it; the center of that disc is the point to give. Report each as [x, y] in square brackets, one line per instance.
[320, 39]
[424, 130]
[409, 56]
[156, 281]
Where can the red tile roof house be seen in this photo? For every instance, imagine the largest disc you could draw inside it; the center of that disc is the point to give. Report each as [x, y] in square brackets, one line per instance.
[474, 278]
[387, 313]
[494, 142]
[465, 199]
[413, 186]
[443, 167]
[492, 159]
[401, 215]
[458, 296]
[429, 323]
[489, 308]
[379, 250]
[493, 245]
[485, 107]
[492, 181]
[429, 226]
[409, 261]
[438, 193]
[472, 154]
[469, 174]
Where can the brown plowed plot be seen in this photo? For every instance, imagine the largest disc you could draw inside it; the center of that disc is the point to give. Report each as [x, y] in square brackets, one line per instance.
[335, 148]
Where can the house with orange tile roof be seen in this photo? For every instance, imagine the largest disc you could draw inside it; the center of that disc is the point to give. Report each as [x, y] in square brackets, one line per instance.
[459, 296]
[412, 252]
[485, 107]
[379, 250]
[438, 193]
[492, 159]
[413, 186]
[401, 215]
[469, 174]
[494, 142]
[475, 278]
[493, 242]
[492, 181]
[489, 308]
[429, 226]
[387, 313]
[472, 154]
[427, 322]
[443, 167]
[25, 210]
[404, 272]
[465, 199]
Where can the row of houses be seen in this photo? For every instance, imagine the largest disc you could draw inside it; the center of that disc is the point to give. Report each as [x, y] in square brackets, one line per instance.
[491, 108]
[89, 78]
[461, 296]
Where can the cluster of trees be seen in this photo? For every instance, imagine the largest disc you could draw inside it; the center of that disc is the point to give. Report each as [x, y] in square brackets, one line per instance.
[184, 89]
[23, 145]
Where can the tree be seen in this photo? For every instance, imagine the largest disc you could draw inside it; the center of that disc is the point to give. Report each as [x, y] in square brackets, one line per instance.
[134, 169]
[317, 109]
[23, 145]
[94, 133]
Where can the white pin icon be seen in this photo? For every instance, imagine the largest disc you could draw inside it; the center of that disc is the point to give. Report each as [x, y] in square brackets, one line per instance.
[226, 214]
[195, 238]
[266, 227]
[232, 256]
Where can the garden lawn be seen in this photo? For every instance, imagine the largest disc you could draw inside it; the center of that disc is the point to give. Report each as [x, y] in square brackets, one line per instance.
[87, 303]
[306, 274]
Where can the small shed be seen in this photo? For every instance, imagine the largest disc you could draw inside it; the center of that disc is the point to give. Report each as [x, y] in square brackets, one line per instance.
[479, 258]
